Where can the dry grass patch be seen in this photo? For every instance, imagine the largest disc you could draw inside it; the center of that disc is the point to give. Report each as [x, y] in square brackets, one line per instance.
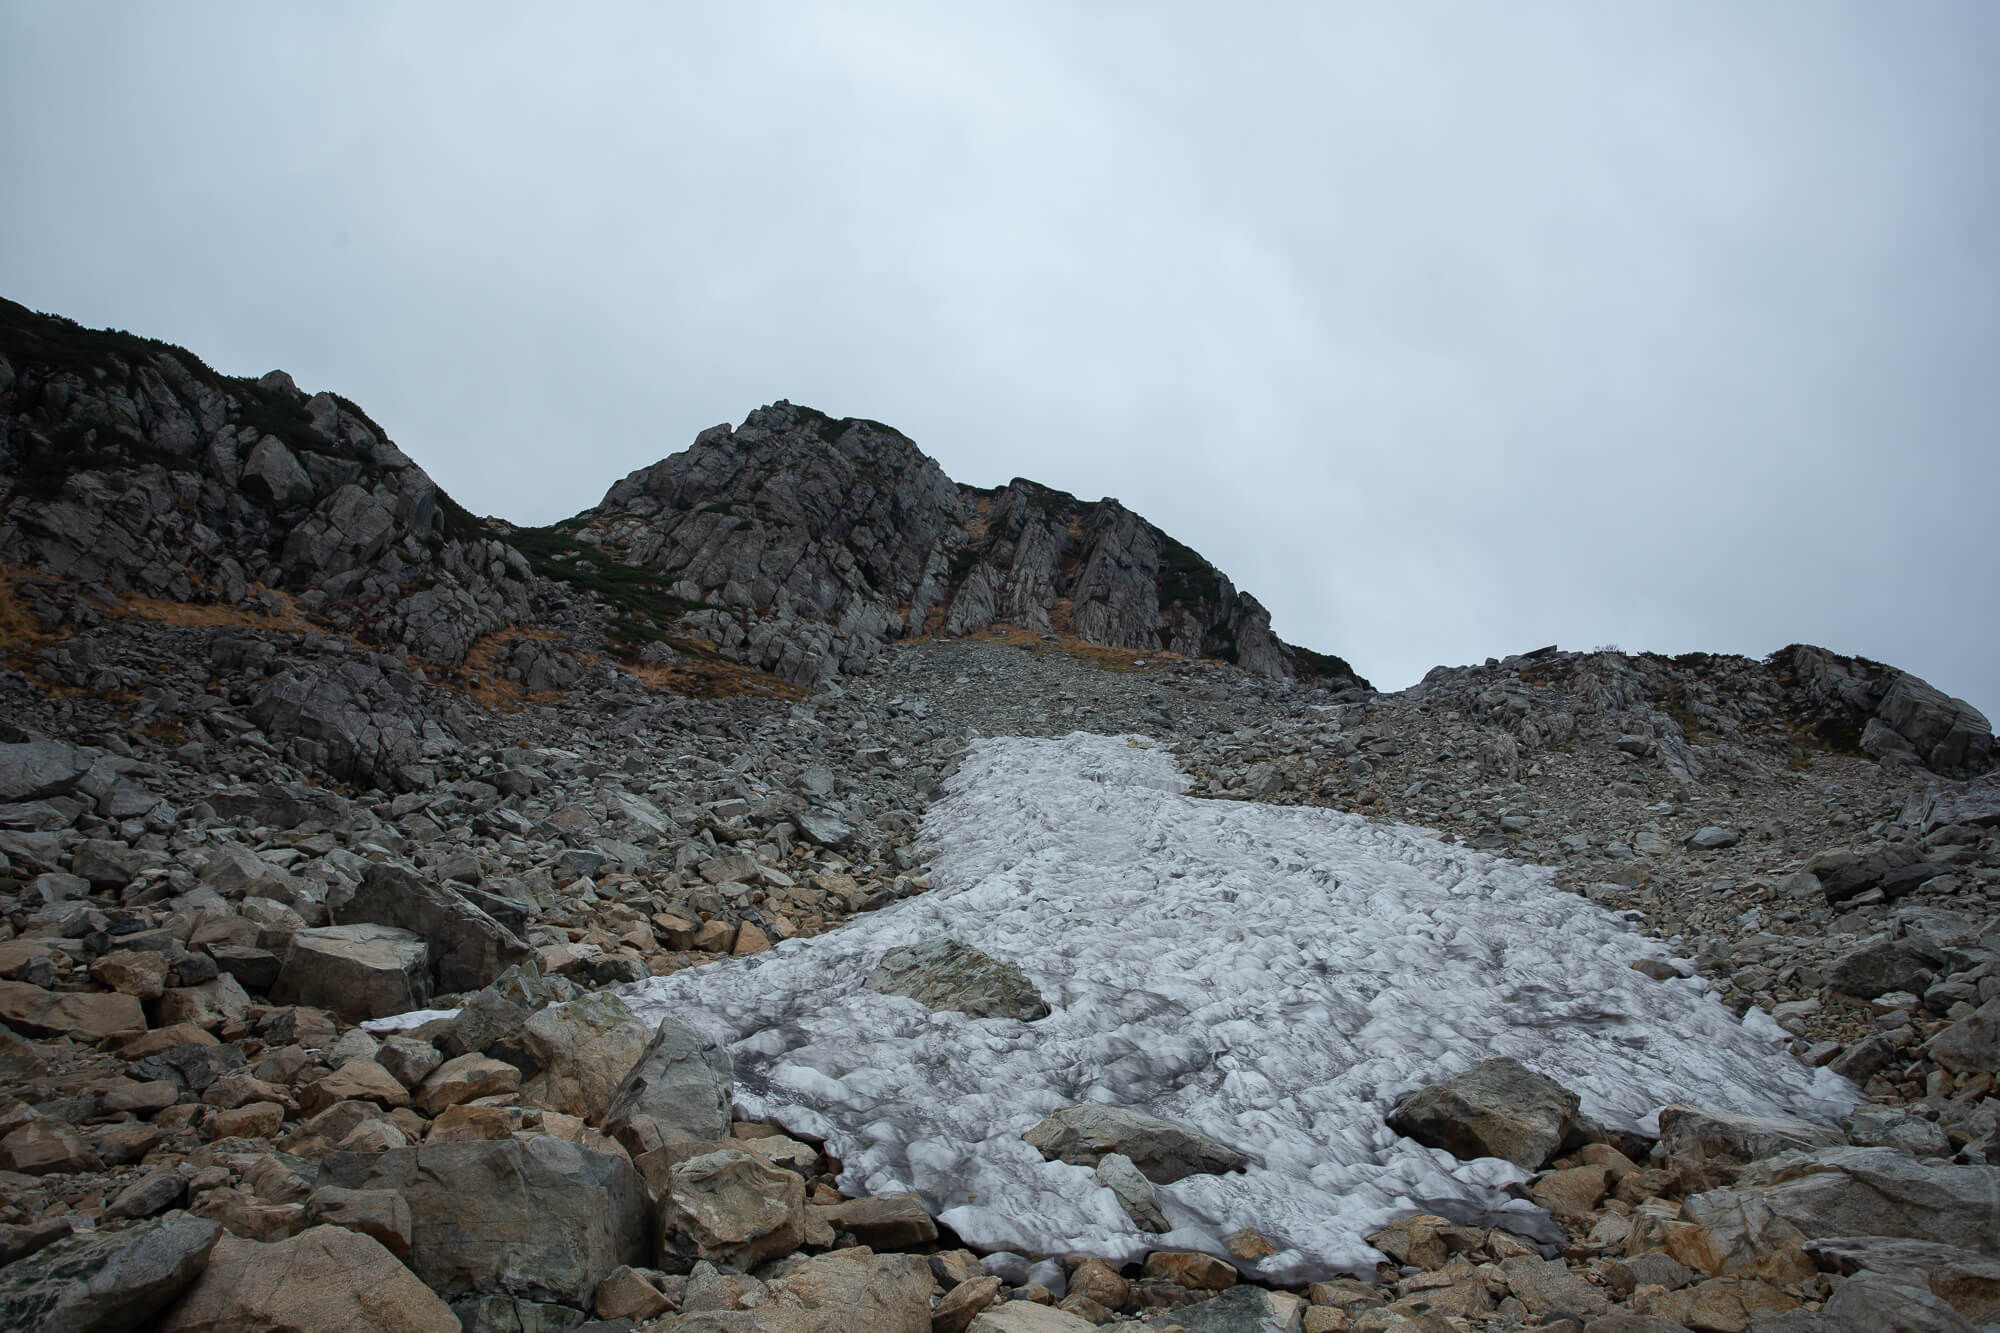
[1103, 656]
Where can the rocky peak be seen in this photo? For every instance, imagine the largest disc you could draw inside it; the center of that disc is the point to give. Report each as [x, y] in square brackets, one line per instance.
[127, 466]
[808, 543]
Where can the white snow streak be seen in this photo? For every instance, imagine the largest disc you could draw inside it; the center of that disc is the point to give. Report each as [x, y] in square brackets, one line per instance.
[1276, 977]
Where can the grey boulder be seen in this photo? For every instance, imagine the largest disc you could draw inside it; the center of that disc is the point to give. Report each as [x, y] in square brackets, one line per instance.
[468, 948]
[1162, 1151]
[359, 971]
[949, 974]
[36, 770]
[678, 1092]
[1881, 1192]
[541, 1219]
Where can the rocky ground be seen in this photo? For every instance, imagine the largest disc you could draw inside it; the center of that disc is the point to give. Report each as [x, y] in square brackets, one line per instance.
[228, 847]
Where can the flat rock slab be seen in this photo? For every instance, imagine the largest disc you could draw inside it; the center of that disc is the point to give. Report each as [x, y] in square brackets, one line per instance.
[358, 971]
[949, 974]
[1724, 1136]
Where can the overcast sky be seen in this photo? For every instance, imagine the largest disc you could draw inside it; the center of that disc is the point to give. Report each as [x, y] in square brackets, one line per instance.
[1448, 330]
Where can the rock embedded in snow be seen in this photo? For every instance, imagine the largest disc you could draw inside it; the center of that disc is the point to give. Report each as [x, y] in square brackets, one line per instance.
[949, 974]
[1160, 1150]
[1136, 1195]
[1500, 1108]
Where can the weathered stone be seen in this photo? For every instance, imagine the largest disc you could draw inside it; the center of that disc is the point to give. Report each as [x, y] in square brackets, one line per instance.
[38, 769]
[584, 1050]
[1546, 1287]
[357, 971]
[678, 1091]
[1027, 1317]
[148, 1196]
[1191, 1269]
[1738, 1235]
[731, 1208]
[538, 1218]
[841, 1292]
[962, 1304]
[1881, 1304]
[1969, 1281]
[1972, 1044]
[44, 1147]
[468, 948]
[323, 1280]
[87, 1016]
[1879, 1191]
[948, 974]
[882, 1222]
[1883, 966]
[355, 1081]
[1162, 1151]
[463, 1079]
[1729, 1138]
[106, 1281]
[381, 1214]
[1135, 1193]
[630, 1293]
[1499, 1108]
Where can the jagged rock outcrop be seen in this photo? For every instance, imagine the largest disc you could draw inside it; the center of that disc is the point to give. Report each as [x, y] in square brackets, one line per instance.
[804, 545]
[129, 467]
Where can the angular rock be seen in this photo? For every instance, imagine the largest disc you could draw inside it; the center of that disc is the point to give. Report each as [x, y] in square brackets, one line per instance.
[679, 1091]
[1883, 966]
[379, 1214]
[38, 769]
[1027, 1317]
[539, 1218]
[357, 971]
[1729, 1138]
[584, 1050]
[87, 1016]
[1162, 1151]
[1546, 1287]
[1134, 1192]
[1879, 1191]
[323, 1280]
[847, 1291]
[1498, 1108]
[468, 948]
[730, 1208]
[106, 1281]
[1882, 1304]
[948, 974]
[463, 1079]
[46, 1147]
[1972, 1044]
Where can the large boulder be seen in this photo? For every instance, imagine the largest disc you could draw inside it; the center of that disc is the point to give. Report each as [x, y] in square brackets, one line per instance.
[1969, 1281]
[1972, 1044]
[541, 1219]
[324, 1280]
[835, 1293]
[1730, 1139]
[949, 974]
[106, 1281]
[678, 1092]
[1881, 1192]
[468, 948]
[584, 1050]
[86, 1015]
[1499, 1108]
[1949, 735]
[1881, 966]
[1162, 1151]
[732, 1208]
[38, 769]
[358, 971]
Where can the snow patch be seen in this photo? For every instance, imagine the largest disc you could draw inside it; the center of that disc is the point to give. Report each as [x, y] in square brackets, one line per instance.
[1275, 977]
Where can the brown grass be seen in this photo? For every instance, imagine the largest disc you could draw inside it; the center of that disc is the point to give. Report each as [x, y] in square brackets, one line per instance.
[217, 615]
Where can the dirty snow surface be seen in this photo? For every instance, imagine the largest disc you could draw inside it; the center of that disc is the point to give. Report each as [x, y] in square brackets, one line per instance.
[1275, 977]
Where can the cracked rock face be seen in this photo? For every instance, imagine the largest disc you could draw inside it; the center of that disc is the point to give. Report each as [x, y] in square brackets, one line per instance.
[811, 543]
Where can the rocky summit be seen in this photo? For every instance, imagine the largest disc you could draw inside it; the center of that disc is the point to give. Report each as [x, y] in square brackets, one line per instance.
[410, 920]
